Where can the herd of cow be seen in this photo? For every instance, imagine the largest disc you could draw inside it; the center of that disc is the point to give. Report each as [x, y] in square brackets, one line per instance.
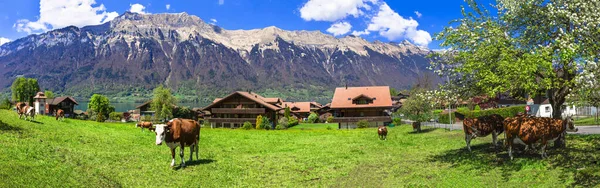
[521, 129]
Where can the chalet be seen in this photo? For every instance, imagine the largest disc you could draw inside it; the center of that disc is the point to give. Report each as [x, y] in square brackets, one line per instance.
[239, 107]
[303, 109]
[352, 104]
[144, 109]
[66, 104]
[397, 101]
[40, 103]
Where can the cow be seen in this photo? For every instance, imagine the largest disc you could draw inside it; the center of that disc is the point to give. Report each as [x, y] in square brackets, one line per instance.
[179, 133]
[482, 127]
[144, 124]
[382, 131]
[530, 130]
[60, 114]
[28, 111]
[19, 107]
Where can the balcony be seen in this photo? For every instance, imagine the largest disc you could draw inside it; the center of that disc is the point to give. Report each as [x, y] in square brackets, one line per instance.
[356, 119]
[238, 110]
[230, 120]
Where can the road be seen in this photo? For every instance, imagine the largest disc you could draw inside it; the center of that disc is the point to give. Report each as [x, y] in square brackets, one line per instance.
[582, 130]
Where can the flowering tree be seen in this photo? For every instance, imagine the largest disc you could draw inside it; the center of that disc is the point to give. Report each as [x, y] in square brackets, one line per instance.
[524, 47]
[418, 107]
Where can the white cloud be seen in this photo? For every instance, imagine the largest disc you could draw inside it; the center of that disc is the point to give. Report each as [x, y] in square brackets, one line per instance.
[168, 6]
[391, 25]
[339, 28]
[359, 33]
[334, 10]
[3, 40]
[418, 14]
[137, 8]
[221, 2]
[61, 13]
[213, 21]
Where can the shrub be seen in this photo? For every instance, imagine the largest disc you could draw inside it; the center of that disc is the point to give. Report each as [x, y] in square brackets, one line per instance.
[293, 121]
[280, 127]
[247, 126]
[397, 121]
[266, 124]
[504, 112]
[100, 117]
[330, 119]
[477, 108]
[283, 122]
[287, 112]
[329, 127]
[116, 116]
[362, 124]
[5, 105]
[259, 120]
[444, 118]
[313, 117]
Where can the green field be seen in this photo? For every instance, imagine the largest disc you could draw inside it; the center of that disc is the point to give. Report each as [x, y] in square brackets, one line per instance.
[314, 126]
[75, 153]
[586, 121]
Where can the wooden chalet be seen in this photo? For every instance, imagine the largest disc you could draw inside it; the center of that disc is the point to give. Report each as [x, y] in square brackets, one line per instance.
[144, 109]
[352, 104]
[239, 107]
[66, 104]
[302, 109]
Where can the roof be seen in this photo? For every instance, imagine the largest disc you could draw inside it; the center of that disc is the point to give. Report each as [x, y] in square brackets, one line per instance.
[143, 104]
[303, 106]
[273, 100]
[546, 101]
[319, 105]
[217, 99]
[252, 96]
[40, 95]
[342, 98]
[58, 100]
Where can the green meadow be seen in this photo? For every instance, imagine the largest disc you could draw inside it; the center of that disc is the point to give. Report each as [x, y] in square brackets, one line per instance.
[73, 153]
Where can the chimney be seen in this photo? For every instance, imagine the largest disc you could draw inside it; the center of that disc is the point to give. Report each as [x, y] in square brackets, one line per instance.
[346, 85]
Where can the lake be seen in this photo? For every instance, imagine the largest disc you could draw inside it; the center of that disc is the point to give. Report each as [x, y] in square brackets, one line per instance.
[124, 107]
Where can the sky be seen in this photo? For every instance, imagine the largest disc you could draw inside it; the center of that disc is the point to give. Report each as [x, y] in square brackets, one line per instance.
[383, 20]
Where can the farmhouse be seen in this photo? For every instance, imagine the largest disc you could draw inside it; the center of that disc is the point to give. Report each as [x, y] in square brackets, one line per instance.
[239, 107]
[144, 109]
[302, 109]
[352, 104]
[66, 104]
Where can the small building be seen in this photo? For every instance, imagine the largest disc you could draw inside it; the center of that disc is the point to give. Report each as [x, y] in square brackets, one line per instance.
[239, 107]
[397, 101]
[545, 109]
[352, 104]
[39, 103]
[302, 109]
[66, 104]
[144, 109]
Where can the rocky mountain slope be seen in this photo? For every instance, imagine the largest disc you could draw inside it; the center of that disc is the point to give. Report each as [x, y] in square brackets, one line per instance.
[134, 53]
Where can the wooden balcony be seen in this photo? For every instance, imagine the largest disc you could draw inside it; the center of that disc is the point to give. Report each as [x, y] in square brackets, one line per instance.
[238, 110]
[368, 118]
[230, 120]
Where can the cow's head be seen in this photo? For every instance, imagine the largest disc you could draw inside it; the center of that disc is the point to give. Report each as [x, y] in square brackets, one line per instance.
[160, 130]
[570, 124]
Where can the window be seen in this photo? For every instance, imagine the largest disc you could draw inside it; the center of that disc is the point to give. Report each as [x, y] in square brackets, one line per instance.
[547, 109]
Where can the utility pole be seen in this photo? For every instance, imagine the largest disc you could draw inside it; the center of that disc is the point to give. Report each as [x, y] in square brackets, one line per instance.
[449, 105]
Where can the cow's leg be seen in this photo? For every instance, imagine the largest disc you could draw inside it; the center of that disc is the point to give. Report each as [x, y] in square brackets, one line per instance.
[192, 151]
[181, 155]
[196, 145]
[544, 144]
[509, 141]
[468, 138]
[495, 140]
[172, 157]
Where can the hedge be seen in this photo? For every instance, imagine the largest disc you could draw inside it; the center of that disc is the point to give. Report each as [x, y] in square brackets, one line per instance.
[504, 112]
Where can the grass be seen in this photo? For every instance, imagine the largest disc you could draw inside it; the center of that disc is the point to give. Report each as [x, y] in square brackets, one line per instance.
[47, 153]
[314, 126]
[586, 121]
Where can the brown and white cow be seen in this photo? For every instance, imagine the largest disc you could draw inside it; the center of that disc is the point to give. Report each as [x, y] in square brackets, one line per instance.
[60, 114]
[482, 127]
[19, 107]
[144, 124]
[530, 130]
[28, 111]
[382, 131]
[179, 133]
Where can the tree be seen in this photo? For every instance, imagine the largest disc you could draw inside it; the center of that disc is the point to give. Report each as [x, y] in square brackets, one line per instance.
[163, 103]
[259, 120]
[100, 105]
[49, 94]
[24, 89]
[417, 107]
[312, 118]
[524, 47]
[393, 91]
[287, 113]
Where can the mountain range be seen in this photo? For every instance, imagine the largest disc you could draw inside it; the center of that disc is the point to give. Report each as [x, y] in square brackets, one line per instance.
[132, 54]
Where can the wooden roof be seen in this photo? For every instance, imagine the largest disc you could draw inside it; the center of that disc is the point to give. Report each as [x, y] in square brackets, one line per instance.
[273, 100]
[304, 107]
[217, 99]
[144, 104]
[252, 96]
[342, 98]
[58, 100]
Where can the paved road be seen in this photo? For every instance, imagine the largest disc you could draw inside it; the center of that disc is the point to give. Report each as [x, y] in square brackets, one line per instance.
[583, 130]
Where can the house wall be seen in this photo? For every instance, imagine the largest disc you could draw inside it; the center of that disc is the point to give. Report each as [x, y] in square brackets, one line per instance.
[239, 102]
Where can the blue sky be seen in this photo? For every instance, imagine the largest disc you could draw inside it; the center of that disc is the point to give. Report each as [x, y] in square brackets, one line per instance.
[385, 20]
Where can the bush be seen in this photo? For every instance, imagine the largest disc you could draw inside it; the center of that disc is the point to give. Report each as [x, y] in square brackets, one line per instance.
[329, 127]
[283, 122]
[116, 116]
[259, 120]
[330, 119]
[443, 118]
[477, 108]
[100, 117]
[280, 127]
[5, 104]
[362, 124]
[293, 121]
[264, 124]
[504, 112]
[313, 117]
[247, 126]
[397, 121]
